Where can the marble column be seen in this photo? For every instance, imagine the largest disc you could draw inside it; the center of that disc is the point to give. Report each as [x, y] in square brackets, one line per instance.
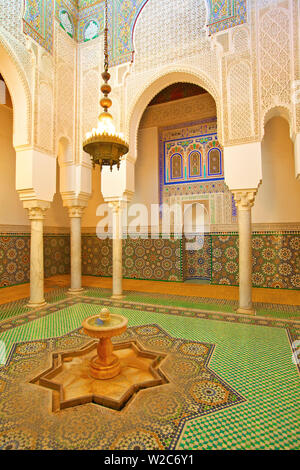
[244, 200]
[36, 214]
[75, 214]
[117, 291]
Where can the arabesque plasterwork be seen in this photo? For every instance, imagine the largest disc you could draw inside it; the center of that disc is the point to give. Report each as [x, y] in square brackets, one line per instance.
[250, 69]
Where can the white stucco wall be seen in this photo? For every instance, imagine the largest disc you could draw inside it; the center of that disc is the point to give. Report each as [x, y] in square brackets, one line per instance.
[146, 169]
[12, 212]
[278, 197]
[11, 208]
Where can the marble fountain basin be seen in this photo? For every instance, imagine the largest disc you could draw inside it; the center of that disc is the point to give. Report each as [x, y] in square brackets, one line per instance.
[105, 364]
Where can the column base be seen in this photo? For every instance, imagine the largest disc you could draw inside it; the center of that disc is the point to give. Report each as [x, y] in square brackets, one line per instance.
[117, 296]
[36, 305]
[246, 311]
[75, 291]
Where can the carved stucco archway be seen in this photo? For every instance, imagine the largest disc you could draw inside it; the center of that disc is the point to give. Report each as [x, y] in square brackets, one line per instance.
[16, 81]
[164, 78]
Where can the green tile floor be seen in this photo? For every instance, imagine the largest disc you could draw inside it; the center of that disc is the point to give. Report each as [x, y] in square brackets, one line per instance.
[291, 312]
[255, 360]
[277, 311]
[18, 307]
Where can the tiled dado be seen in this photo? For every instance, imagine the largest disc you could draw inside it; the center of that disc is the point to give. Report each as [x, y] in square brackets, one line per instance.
[276, 261]
[275, 255]
[197, 262]
[159, 260]
[15, 256]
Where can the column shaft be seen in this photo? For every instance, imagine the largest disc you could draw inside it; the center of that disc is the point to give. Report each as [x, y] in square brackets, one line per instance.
[245, 259]
[36, 211]
[36, 263]
[244, 200]
[117, 292]
[75, 214]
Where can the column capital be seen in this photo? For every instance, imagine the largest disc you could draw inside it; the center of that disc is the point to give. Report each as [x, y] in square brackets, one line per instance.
[70, 199]
[76, 211]
[36, 213]
[36, 209]
[244, 198]
[117, 205]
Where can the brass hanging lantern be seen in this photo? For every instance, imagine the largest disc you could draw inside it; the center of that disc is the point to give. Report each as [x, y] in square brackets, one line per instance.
[103, 143]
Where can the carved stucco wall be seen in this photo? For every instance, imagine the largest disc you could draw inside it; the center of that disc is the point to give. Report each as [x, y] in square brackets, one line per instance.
[168, 39]
[44, 102]
[84, 21]
[278, 65]
[65, 87]
[183, 110]
[248, 69]
[15, 68]
[11, 13]
[242, 63]
[89, 58]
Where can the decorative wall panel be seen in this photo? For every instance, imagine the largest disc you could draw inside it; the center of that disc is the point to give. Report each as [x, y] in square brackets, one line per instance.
[56, 255]
[15, 257]
[122, 17]
[90, 20]
[166, 34]
[84, 20]
[225, 14]
[96, 256]
[276, 260]
[176, 112]
[225, 259]
[38, 22]
[66, 13]
[90, 103]
[275, 57]
[44, 124]
[240, 40]
[11, 18]
[191, 167]
[190, 153]
[197, 263]
[142, 259]
[159, 260]
[65, 85]
[240, 101]
[66, 21]
[65, 94]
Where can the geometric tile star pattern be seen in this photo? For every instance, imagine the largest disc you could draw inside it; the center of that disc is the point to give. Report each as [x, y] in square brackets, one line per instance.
[253, 355]
[153, 418]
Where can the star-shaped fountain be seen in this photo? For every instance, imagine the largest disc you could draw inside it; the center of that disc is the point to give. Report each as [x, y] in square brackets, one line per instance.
[75, 377]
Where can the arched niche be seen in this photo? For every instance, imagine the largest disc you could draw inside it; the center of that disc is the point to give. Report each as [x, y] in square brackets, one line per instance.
[165, 78]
